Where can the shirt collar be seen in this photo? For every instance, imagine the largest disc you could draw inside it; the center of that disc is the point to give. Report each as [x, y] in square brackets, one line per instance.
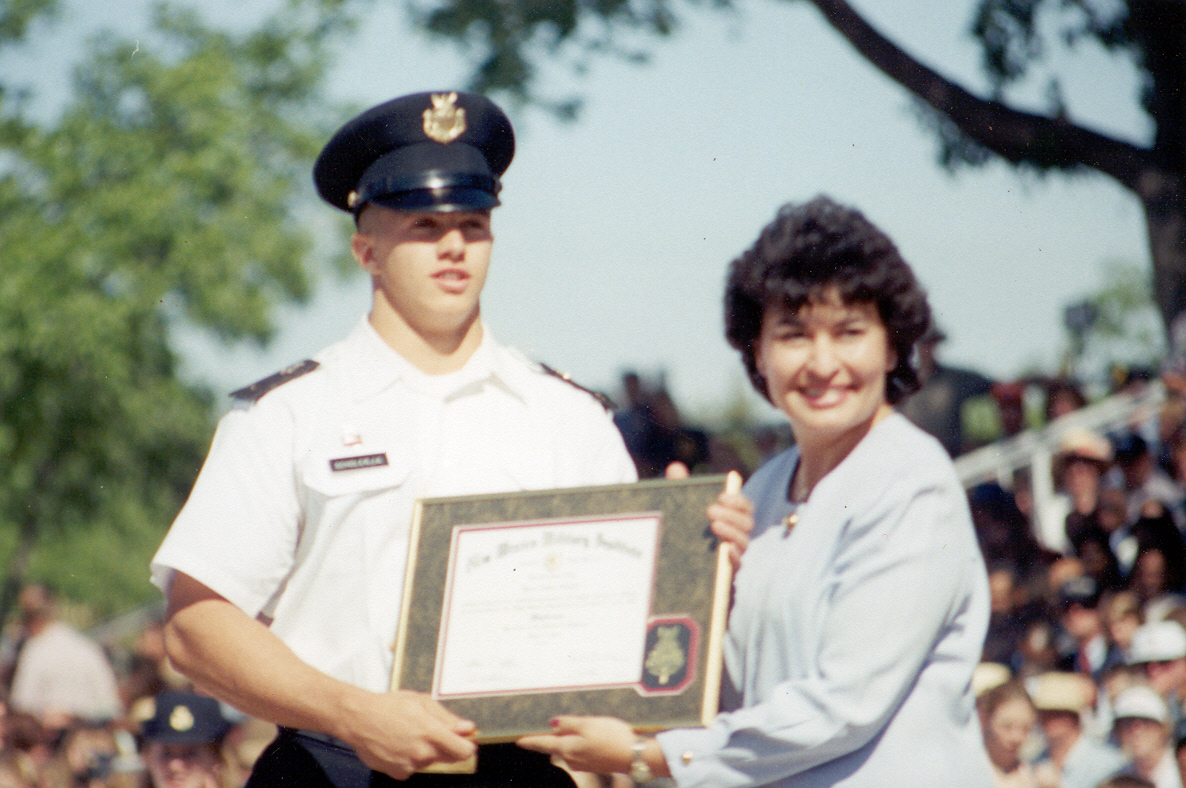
[374, 366]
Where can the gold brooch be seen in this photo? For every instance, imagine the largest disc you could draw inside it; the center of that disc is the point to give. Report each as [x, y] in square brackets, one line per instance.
[790, 520]
[444, 121]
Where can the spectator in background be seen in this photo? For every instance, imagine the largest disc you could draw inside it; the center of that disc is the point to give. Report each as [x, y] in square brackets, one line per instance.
[1159, 648]
[1010, 399]
[1079, 474]
[654, 432]
[634, 417]
[1175, 455]
[1092, 654]
[1094, 551]
[668, 440]
[1156, 577]
[1007, 718]
[181, 743]
[1142, 728]
[1009, 618]
[60, 674]
[1004, 533]
[1122, 618]
[1063, 396]
[938, 405]
[1144, 483]
[1073, 758]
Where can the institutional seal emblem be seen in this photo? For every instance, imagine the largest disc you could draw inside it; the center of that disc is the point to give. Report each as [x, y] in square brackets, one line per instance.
[667, 656]
[444, 121]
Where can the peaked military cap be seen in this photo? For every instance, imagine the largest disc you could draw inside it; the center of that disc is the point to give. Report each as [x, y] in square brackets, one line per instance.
[423, 152]
[184, 718]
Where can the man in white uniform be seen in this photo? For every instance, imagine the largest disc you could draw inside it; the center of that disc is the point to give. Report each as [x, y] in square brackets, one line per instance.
[284, 570]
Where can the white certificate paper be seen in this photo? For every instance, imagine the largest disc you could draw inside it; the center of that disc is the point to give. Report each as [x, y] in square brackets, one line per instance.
[546, 605]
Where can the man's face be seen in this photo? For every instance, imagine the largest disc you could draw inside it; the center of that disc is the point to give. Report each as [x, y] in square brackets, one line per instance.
[1059, 725]
[182, 765]
[1143, 740]
[1081, 622]
[1167, 676]
[428, 267]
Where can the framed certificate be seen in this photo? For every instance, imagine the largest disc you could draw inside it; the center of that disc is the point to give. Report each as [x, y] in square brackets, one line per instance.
[596, 600]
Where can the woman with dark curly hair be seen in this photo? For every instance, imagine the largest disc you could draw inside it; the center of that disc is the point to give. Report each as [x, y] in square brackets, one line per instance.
[861, 605]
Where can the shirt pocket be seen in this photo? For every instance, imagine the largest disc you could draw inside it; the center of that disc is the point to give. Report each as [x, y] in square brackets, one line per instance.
[356, 472]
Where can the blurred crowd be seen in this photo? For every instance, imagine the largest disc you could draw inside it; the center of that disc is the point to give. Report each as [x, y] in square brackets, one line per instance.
[74, 717]
[1083, 679]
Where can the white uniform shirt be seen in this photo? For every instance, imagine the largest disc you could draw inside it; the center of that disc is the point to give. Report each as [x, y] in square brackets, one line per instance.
[852, 639]
[302, 510]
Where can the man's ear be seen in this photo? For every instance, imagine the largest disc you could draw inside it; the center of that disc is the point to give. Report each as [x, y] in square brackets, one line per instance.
[362, 246]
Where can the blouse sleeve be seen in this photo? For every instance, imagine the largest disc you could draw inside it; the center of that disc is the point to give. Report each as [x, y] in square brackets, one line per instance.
[892, 592]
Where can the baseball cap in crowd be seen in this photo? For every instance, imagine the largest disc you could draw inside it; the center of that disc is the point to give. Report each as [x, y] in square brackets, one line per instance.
[1059, 691]
[1082, 591]
[1157, 641]
[184, 718]
[1140, 702]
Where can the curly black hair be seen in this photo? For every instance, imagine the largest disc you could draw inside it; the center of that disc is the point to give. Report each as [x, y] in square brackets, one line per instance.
[808, 249]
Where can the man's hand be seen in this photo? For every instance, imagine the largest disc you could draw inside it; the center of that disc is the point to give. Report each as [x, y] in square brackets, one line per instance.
[238, 659]
[399, 733]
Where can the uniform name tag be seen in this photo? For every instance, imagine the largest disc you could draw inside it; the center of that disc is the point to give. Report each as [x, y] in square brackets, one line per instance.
[354, 463]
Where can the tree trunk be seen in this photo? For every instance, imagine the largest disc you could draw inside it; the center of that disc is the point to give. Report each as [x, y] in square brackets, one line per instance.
[1157, 176]
[1163, 196]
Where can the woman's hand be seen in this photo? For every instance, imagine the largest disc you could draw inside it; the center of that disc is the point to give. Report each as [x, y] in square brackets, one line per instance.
[732, 518]
[586, 744]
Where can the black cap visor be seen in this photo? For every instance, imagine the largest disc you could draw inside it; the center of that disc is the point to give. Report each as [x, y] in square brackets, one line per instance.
[455, 198]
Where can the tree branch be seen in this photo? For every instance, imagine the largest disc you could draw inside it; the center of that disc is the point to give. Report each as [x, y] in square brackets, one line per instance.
[1018, 137]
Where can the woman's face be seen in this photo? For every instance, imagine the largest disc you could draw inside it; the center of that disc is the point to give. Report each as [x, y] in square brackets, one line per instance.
[1006, 731]
[825, 366]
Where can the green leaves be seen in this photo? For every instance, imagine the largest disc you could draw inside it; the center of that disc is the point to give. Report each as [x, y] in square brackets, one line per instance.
[164, 193]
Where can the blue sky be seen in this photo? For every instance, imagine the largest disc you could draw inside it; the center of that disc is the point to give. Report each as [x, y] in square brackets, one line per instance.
[616, 230]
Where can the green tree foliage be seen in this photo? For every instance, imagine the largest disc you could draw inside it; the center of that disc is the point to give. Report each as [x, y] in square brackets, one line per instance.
[1118, 324]
[161, 196]
[17, 15]
[507, 37]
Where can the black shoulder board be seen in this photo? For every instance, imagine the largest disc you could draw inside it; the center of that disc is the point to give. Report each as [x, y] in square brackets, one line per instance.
[259, 388]
[605, 401]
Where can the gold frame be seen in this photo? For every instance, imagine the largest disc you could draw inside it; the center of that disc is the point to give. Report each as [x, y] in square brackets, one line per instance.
[692, 582]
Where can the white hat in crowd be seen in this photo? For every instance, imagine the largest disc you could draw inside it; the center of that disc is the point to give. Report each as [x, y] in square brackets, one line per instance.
[1140, 702]
[988, 675]
[1157, 641]
[1056, 691]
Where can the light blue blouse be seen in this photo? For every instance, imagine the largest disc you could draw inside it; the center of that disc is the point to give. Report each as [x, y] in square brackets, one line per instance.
[853, 637]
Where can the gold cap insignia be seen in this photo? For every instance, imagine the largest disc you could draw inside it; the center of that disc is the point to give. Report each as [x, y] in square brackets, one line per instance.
[181, 718]
[444, 121]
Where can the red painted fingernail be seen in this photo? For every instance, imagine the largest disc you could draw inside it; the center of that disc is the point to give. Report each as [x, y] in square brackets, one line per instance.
[555, 723]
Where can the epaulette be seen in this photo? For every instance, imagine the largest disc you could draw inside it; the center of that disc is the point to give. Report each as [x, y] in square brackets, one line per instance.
[605, 401]
[259, 388]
